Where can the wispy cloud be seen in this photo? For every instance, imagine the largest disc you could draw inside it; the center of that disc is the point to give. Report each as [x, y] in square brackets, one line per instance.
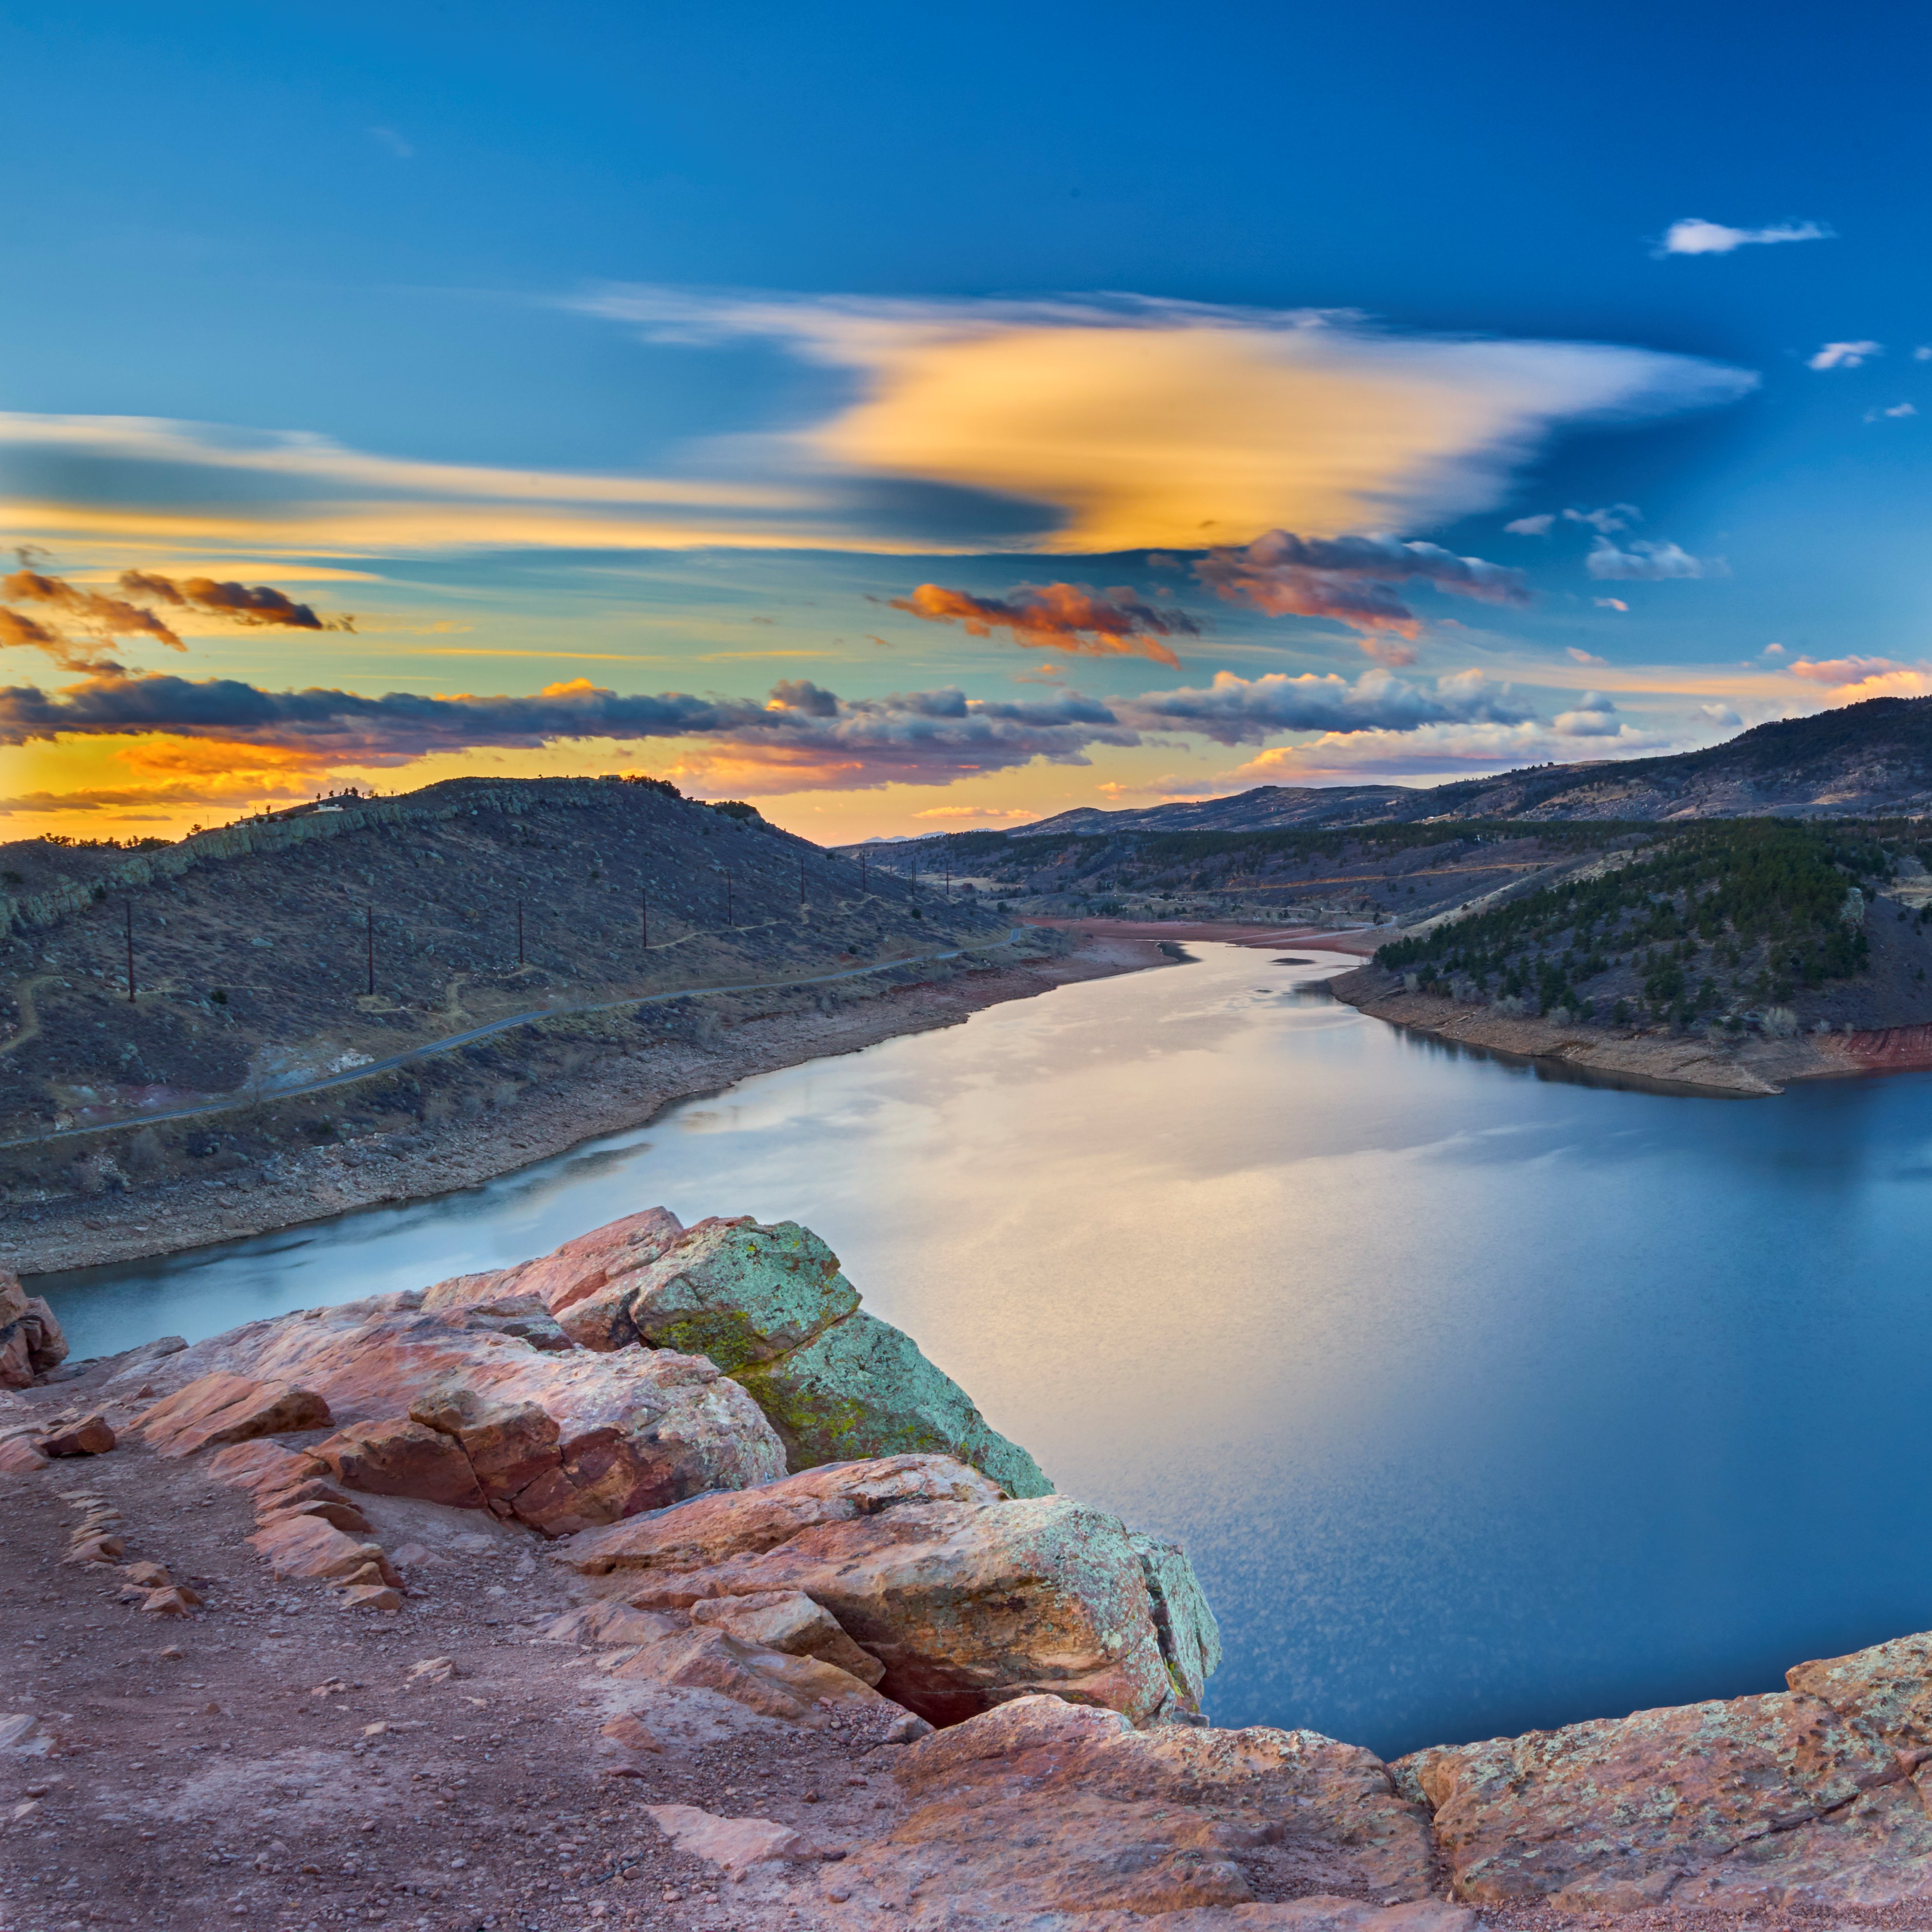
[1437, 750]
[1608, 604]
[1235, 710]
[1644, 562]
[1897, 412]
[1068, 617]
[1694, 235]
[1845, 354]
[1608, 521]
[1136, 424]
[1354, 581]
[1537, 526]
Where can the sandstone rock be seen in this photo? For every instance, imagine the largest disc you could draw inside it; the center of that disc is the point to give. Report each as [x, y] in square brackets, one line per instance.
[433, 1670]
[105, 1548]
[634, 1430]
[134, 1365]
[768, 1306]
[768, 1681]
[31, 1341]
[1617, 1813]
[610, 1623]
[90, 1436]
[729, 1844]
[967, 1599]
[399, 1457]
[1190, 1639]
[261, 1466]
[371, 1596]
[1889, 1686]
[342, 1514]
[709, 1529]
[175, 1600]
[631, 1734]
[1294, 1915]
[1043, 1807]
[20, 1453]
[148, 1575]
[302, 1546]
[789, 1620]
[217, 1409]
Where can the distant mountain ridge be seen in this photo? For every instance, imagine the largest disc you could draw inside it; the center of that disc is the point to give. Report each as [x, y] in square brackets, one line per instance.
[1864, 760]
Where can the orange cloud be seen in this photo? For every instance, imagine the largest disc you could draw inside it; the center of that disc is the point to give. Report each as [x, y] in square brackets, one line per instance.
[1059, 617]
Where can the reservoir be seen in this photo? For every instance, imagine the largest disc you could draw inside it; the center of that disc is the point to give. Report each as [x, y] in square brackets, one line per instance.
[1483, 1399]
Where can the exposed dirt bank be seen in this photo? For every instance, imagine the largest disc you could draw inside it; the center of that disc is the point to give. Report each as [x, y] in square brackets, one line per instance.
[1360, 941]
[608, 1085]
[1684, 1063]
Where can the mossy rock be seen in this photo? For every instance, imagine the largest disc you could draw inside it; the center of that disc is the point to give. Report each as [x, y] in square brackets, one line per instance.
[862, 1389]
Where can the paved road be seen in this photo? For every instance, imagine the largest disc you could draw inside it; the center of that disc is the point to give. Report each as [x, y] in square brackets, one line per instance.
[451, 1042]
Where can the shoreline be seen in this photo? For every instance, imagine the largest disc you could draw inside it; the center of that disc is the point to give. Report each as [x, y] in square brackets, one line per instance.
[1752, 1069]
[620, 1092]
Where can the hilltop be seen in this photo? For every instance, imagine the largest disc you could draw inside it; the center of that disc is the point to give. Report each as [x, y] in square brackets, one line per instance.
[575, 925]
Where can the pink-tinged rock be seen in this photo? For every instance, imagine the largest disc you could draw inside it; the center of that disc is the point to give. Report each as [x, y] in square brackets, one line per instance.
[1889, 1686]
[729, 1844]
[634, 1430]
[1296, 1915]
[31, 1341]
[795, 1689]
[571, 1275]
[20, 1453]
[398, 1456]
[1044, 1807]
[103, 1548]
[173, 1599]
[216, 1409]
[303, 1546]
[609, 1623]
[371, 1596]
[261, 1466]
[1620, 1813]
[337, 1512]
[630, 1733]
[710, 1529]
[90, 1436]
[789, 1620]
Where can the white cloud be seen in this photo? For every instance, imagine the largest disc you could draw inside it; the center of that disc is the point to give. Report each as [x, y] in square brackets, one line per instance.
[1897, 411]
[388, 138]
[1611, 604]
[1647, 562]
[1772, 651]
[1608, 521]
[1922, 354]
[1433, 749]
[1585, 657]
[1696, 236]
[1531, 526]
[1236, 710]
[1721, 714]
[1845, 354]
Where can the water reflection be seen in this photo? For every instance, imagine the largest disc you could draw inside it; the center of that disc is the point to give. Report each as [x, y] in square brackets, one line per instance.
[1483, 1399]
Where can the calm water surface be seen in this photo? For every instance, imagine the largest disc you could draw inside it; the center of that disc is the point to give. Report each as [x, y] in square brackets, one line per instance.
[1483, 1400]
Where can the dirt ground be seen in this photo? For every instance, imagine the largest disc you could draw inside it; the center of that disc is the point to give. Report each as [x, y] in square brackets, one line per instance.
[268, 1761]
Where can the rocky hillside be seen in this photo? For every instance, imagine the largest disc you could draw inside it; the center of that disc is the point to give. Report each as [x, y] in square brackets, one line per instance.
[500, 1604]
[311, 942]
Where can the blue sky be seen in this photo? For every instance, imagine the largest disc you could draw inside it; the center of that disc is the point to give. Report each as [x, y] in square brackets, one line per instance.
[620, 352]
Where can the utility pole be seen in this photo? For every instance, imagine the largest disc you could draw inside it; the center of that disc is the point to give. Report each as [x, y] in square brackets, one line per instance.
[128, 907]
[369, 917]
[520, 932]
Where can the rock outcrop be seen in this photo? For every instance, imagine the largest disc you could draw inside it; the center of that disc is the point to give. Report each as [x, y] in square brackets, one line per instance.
[769, 1307]
[1814, 1796]
[965, 1598]
[1040, 1806]
[31, 1341]
[439, 1406]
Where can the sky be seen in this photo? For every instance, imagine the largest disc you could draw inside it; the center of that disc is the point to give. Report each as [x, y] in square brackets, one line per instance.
[923, 419]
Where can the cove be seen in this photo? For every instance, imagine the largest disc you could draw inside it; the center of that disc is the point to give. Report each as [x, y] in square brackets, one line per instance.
[1483, 1400]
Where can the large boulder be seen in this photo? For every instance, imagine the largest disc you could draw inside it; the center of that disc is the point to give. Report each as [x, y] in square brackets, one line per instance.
[31, 1341]
[1041, 1807]
[1768, 1801]
[768, 1306]
[965, 1598]
[221, 1409]
[433, 1405]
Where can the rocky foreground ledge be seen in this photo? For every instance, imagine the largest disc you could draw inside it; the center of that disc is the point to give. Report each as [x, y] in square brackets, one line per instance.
[653, 1583]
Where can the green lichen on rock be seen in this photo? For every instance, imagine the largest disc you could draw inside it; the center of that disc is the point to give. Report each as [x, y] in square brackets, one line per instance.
[769, 1306]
